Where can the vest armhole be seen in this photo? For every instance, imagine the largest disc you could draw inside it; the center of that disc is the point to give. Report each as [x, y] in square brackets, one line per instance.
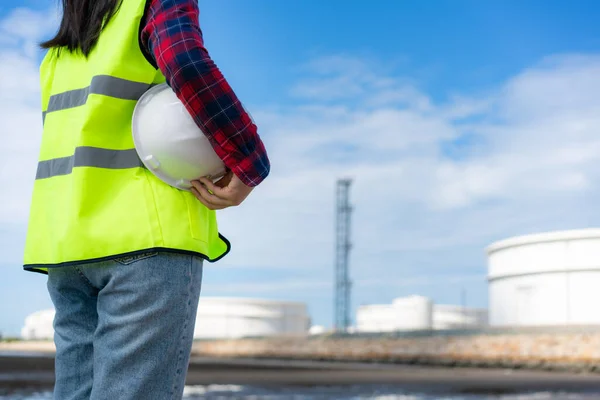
[143, 49]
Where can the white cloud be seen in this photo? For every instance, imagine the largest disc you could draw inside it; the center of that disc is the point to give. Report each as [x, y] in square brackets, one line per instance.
[356, 80]
[29, 25]
[532, 167]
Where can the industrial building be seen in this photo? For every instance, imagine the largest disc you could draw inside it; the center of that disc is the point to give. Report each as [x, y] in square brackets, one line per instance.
[547, 279]
[416, 313]
[217, 317]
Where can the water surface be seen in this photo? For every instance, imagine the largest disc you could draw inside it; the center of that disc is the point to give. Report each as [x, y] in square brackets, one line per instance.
[357, 392]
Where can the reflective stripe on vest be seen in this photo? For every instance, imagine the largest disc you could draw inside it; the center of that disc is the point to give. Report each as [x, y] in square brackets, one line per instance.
[101, 84]
[92, 197]
[89, 157]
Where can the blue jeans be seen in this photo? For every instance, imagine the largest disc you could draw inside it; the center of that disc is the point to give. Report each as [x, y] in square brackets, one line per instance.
[124, 328]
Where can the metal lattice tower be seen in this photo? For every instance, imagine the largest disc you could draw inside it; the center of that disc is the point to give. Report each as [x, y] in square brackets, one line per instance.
[342, 256]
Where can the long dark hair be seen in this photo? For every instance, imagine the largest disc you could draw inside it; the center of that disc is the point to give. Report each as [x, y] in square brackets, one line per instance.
[81, 25]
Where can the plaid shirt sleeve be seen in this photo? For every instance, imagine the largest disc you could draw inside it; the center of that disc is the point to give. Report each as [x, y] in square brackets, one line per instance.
[171, 36]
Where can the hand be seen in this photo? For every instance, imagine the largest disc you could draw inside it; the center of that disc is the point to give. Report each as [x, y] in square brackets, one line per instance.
[228, 191]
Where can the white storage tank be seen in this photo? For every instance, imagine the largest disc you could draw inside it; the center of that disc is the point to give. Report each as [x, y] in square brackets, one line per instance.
[217, 318]
[414, 313]
[404, 314]
[545, 279]
[223, 317]
[38, 326]
[449, 316]
[376, 318]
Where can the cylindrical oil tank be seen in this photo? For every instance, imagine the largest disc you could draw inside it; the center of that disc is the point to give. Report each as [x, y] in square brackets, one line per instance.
[450, 316]
[223, 317]
[414, 313]
[545, 279]
[376, 318]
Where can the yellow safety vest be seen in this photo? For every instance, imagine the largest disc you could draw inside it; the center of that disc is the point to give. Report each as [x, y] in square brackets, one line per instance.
[92, 197]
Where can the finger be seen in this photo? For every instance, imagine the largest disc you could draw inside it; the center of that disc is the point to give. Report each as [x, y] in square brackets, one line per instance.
[209, 197]
[217, 190]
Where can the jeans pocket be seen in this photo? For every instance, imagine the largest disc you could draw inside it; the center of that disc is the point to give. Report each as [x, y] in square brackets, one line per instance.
[130, 259]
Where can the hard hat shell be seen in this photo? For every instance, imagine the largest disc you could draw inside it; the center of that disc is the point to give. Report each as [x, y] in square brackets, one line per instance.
[169, 142]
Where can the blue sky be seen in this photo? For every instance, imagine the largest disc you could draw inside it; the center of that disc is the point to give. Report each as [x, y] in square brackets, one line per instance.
[462, 122]
[446, 45]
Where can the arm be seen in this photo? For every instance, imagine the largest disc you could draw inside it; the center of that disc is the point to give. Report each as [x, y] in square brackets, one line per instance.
[172, 36]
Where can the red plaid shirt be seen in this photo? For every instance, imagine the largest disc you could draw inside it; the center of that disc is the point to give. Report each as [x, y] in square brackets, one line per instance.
[171, 36]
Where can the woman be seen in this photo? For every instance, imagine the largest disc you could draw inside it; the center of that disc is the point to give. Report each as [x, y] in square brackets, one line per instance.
[124, 251]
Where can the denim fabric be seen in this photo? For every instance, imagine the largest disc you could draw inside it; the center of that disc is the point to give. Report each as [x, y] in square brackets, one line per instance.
[124, 328]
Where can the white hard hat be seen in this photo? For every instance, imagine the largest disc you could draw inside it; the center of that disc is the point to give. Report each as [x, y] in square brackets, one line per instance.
[169, 142]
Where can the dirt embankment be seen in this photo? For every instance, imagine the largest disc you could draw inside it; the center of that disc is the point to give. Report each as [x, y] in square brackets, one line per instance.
[549, 351]
[567, 351]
